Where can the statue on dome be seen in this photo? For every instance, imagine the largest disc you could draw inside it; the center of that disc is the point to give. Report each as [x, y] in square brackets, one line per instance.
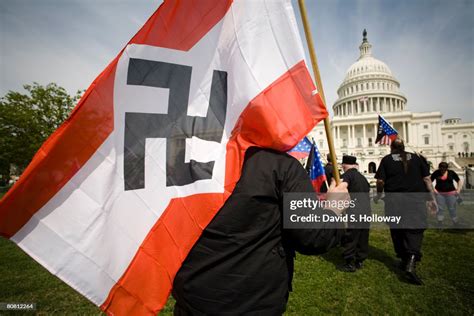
[364, 34]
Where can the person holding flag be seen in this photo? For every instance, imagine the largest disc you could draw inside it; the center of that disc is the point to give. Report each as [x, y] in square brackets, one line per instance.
[243, 261]
[160, 151]
[385, 133]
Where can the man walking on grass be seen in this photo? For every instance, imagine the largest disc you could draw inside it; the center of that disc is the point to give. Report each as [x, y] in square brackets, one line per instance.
[356, 239]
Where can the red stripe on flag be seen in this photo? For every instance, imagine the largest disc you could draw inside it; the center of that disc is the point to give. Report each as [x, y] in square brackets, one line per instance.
[298, 154]
[62, 155]
[277, 118]
[181, 24]
[176, 24]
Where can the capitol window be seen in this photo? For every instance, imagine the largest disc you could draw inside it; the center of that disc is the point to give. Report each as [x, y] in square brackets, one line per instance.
[427, 140]
[450, 136]
[464, 136]
[425, 126]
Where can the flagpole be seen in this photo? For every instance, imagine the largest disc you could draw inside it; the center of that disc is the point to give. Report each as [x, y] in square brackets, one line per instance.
[319, 85]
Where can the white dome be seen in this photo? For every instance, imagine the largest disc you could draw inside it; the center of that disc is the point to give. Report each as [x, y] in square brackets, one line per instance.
[368, 87]
[367, 65]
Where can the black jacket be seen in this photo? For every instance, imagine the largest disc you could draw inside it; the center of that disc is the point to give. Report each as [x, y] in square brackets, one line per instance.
[243, 262]
[359, 189]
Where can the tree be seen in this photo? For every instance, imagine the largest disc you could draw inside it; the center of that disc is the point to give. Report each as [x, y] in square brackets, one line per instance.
[27, 120]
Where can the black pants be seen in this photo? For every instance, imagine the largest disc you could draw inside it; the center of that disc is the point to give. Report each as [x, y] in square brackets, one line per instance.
[356, 244]
[407, 236]
[407, 242]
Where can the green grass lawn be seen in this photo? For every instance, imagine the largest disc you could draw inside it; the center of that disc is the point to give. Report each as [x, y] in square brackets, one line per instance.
[319, 288]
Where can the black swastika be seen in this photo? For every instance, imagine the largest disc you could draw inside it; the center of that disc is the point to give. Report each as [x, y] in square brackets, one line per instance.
[175, 126]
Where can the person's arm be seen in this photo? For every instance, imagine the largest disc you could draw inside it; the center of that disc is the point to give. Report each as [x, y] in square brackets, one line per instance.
[431, 205]
[380, 176]
[379, 184]
[427, 179]
[433, 177]
[459, 187]
[458, 182]
[429, 187]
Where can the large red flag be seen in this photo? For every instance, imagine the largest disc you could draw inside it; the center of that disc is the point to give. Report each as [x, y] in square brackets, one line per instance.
[118, 195]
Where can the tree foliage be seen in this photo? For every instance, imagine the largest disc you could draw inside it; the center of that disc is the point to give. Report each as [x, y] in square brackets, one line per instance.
[28, 119]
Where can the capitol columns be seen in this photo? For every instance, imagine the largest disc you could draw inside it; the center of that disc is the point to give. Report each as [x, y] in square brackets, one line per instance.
[364, 139]
[349, 135]
[409, 130]
[405, 136]
[353, 135]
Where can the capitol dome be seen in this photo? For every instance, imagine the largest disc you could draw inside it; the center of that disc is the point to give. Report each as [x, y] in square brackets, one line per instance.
[368, 87]
[367, 65]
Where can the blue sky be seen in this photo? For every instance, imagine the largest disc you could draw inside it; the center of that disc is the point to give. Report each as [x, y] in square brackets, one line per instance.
[428, 44]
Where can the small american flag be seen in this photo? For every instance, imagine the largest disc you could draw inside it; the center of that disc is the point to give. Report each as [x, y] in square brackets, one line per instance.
[386, 134]
[315, 168]
[301, 150]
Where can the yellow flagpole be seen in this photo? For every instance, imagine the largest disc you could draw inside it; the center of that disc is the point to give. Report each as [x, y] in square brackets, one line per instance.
[319, 85]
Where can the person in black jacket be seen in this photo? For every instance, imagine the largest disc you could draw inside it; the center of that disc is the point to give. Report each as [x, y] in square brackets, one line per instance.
[243, 261]
[356, 239]
[405, 178]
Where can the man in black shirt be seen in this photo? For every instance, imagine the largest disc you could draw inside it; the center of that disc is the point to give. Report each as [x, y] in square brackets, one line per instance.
[403, 172]
[243, 261]
[356, 240]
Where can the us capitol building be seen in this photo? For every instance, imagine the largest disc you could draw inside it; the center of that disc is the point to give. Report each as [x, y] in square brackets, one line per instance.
[369, 88]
